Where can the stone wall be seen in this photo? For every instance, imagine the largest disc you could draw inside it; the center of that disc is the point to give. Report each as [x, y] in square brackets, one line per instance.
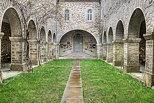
[114, 11]
[78, 18]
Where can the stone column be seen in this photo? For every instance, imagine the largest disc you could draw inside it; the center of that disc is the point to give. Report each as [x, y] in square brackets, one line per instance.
[1, 36]
[43, 52]
[104, 55]
[149, 65]
[46, 52]
[110, 52]
[99, 51]
[131, 55]
[33, 51]
[50, 51]
[57, 50]
[118, 53]
[17, 54]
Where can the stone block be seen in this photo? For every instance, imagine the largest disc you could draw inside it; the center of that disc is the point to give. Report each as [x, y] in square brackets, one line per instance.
[118, 63]
[35, 62]
[18, 67]
[148, 79]
[131, 68]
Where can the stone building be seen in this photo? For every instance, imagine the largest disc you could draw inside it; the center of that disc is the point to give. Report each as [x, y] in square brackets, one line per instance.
[128, 28]
[117, 31]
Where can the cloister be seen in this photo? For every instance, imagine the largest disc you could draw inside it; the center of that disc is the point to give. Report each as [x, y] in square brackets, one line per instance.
[120, 33]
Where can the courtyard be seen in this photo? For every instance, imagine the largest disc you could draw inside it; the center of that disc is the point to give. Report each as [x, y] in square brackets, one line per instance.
[100, 83]
[76, 51]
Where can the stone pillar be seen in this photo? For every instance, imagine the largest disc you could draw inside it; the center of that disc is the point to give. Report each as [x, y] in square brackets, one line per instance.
[118, 53]
[33, 51]
[149, 65]
[49, 56]
[43, 52]
[110, 52]
[17, 54]
[99, 46]
[57, 50]
[1, 36]
[104, 55]
[131, 55]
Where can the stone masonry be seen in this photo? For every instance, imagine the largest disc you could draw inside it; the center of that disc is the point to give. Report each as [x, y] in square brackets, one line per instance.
[120, 32]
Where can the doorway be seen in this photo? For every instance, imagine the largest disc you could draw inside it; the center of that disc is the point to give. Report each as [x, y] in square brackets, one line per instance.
[78, 43]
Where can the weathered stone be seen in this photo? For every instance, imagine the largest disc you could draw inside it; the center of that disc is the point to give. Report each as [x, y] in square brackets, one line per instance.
[118, 53]
[110, 52]
[131, 55]
[104, 52]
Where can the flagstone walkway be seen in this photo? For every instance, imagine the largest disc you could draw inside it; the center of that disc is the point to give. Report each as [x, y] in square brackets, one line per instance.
[73, 90]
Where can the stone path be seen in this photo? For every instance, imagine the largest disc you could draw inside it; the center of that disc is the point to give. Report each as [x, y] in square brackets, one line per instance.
[73, 90]
[8, 74]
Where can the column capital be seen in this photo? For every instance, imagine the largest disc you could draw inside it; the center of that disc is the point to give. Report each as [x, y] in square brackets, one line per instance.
[17, 39]
[132, 40]
[149, 36]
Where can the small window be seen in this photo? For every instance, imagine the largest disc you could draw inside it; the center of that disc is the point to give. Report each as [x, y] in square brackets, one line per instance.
[89, 14]
[67, 14]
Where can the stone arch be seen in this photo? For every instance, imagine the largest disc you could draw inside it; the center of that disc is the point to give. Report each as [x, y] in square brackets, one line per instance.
[136, 20]
[11, 16]
[136, 30]
[43, 45]
[12, 29]
[88, 30]
[110, 46]
[119, 31]
[32, 43]
[104, 37]
[42, 34]
[32, 30]
[78, 41]
[54, 38]
[49, 36]
[110, 35]
[118, 46]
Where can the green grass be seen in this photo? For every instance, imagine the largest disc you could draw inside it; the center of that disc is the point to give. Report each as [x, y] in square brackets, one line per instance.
[45, 85]
[110, 85]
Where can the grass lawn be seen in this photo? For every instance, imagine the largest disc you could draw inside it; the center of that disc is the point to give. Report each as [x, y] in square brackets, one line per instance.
[45, 85]
[110, 85]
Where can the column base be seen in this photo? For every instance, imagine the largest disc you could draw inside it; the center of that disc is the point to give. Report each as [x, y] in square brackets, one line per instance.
[18, 67]
[35, 62]
[131, 69]
[148, 79]
[118, 63]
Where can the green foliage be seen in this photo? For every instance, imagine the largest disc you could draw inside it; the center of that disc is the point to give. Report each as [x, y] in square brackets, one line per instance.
[45, 85]
[110, 85]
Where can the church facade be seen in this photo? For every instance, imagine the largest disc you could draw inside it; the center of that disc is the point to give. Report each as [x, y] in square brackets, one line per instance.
[116, 31]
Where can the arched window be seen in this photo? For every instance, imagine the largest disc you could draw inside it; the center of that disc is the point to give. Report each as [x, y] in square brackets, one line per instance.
[67, 15]
[90, 14]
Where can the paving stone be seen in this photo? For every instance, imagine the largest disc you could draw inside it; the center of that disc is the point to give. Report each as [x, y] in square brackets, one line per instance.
[73, 90]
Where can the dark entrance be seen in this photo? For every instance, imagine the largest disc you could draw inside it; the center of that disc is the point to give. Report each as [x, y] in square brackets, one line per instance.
[78, 43]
